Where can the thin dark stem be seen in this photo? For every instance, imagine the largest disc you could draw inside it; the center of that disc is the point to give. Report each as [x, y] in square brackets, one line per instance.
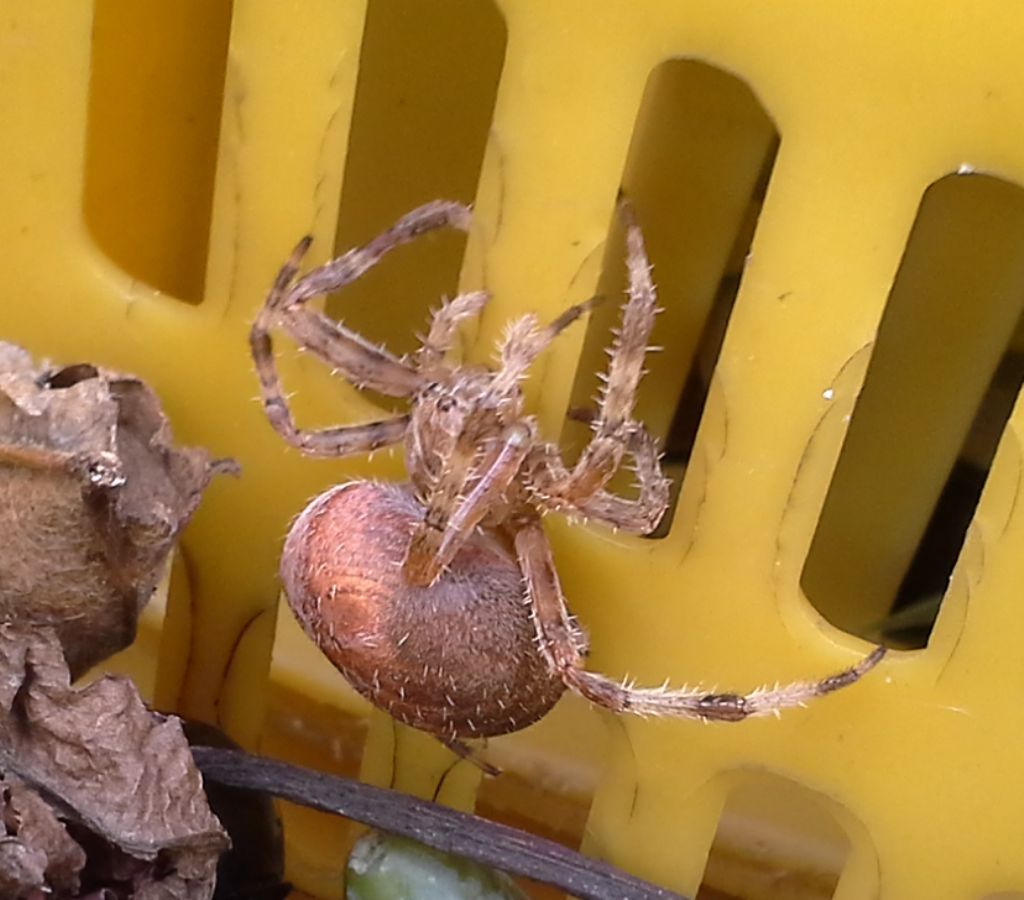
[513, 851]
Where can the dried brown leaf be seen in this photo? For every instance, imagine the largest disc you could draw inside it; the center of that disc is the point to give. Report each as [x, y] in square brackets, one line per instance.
[122, 776]
[93, 495]
[36, 849]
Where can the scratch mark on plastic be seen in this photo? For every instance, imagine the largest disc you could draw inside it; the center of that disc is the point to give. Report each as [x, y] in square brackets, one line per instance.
[394, 753]
[968, 590]
[1011, 512]
[443, 778]
[230, 661]
[831, 410]
[329, 126]
[238, 97]
[499, 220]
[190, 584]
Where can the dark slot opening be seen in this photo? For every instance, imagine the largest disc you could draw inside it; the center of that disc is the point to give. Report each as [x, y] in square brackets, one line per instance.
[154, 120]
[698, 167]
[945, 371]
[682, 433]
[775, 838]
[428, 80]
[917, 601]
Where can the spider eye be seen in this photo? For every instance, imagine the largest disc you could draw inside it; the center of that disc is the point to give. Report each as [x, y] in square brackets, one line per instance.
[445, 404]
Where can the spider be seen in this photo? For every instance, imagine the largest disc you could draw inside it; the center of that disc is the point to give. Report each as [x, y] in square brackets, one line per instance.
[438, 599]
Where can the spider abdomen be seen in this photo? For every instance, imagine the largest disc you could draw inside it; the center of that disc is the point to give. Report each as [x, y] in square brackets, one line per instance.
[457, 658]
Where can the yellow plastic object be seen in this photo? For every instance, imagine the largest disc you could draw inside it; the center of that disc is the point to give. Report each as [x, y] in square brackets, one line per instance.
[916, 769]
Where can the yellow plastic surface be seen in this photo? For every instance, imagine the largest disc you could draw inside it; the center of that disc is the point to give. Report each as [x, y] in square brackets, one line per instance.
[148, 198]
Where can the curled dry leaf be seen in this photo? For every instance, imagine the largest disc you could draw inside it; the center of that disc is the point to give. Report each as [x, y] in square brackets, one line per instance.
[92, 497]
[120, 778]
[36, 849]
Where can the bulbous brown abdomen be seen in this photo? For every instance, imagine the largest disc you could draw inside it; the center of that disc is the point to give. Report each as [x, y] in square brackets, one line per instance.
[458, 658]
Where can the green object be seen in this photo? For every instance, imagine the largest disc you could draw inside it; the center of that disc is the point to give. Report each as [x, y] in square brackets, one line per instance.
[387, 867]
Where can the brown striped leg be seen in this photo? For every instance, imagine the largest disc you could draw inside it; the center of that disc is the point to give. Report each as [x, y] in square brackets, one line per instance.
[359, 361]
[432, 549]
[613, 423]
[444, 325]
[549, 478]
[559, 641]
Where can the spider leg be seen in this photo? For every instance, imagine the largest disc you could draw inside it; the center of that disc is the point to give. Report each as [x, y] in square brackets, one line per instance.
[464, 751]
[338, 441]
[347, 268]
[444, 324]
[342, 440]
[559, 641]
[698, 703]
[636, 516]
[626, 363]
[524, 340]
[361, 362]
[436, 541]
[580, 490]
[356, 358]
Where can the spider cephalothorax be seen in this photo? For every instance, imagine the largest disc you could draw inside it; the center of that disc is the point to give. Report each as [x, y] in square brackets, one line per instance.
[439, 600]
